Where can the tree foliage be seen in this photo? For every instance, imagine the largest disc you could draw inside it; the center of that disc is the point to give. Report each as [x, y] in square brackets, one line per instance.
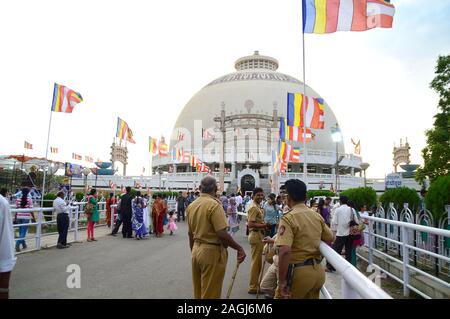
[361, 196]
[399, 196]
[438, 196]
[436, 154]
[313, 193]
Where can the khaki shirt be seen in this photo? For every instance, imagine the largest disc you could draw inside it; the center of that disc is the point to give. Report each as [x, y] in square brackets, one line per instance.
[205, 218]
[255, 214]
[302, 229]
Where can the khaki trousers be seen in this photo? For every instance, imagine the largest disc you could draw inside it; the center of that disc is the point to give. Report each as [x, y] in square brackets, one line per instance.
[208, 270]
[270, 280]
[307, 282]
[255, 240]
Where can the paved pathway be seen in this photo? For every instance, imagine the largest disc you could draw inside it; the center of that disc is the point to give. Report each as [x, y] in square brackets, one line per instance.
[114, 267]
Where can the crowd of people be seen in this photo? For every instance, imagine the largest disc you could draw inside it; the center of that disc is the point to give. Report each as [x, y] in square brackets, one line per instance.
[283, 230]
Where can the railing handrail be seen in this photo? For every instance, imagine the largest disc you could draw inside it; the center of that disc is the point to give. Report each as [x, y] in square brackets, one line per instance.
[360, 283]
[421, 228]
[352, 276]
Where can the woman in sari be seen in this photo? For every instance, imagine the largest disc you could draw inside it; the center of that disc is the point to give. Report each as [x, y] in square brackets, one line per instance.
[138, 206]
[159, 213]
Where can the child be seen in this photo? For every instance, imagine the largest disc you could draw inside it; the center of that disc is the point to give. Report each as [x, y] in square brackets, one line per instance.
[172, 225]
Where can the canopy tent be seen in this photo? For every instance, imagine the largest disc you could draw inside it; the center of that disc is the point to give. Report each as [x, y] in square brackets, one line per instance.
[9, 161]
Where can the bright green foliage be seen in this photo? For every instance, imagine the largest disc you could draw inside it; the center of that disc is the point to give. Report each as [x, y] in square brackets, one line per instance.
[361, 196]
[313, 193]
[436, 154]
[399, 196]
[438, 196]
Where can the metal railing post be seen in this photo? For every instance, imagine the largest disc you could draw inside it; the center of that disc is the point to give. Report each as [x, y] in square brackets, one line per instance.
[405, 261]
[39, 230]
[76, 224]
[370, 242]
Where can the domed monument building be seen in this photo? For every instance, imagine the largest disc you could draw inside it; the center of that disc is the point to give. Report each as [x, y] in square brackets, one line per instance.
[240, 114]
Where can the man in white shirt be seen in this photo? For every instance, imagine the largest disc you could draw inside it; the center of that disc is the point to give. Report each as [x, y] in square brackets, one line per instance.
[340, 225]
[62, 219]
[7, 257]
[239, 201]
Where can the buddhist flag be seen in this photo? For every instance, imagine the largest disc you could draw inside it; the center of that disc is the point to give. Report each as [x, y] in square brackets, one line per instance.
[54, 150]
[283, 166]
[64, 99]
[328, 16]
[153, 145]
[122, 128]
[295, 155]
[357, 149]
[315, 111]
[294, 133]
[130, 136]
[28, 146]
[193, 160]
[163, 149]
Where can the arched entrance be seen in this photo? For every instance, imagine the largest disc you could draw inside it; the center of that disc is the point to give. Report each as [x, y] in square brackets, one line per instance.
[247, 183]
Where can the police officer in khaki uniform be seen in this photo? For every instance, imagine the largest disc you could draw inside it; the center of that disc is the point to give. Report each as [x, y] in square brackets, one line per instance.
[299, 234]
[208, 240]
[257, 227]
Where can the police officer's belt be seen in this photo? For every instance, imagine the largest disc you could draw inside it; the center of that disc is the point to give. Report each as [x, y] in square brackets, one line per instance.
[205, 243]
[308, 262]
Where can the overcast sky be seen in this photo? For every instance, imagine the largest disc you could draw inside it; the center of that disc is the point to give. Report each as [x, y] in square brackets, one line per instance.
[143, 61]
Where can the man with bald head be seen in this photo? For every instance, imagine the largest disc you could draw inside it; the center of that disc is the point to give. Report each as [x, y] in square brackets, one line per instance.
[208, 240]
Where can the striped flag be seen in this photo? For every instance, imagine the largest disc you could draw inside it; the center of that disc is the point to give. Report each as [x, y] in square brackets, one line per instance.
[295, 155]
[283, 166]
[130, 136]
[28, 146]
[193, 160]
[88, 159]
[357, 149]
[163, 147]
[315, 117]
[294, 133]
[54, 150]
[153, 145]
[112, 185]
[328, 16]
[123, 131]
[180, 136]
[76, 157]
[64, 99]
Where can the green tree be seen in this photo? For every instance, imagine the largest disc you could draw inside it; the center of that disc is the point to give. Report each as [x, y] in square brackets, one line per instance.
[436, 154]
[438, 196]
[314, 193]
[399, 196]
[361, 196]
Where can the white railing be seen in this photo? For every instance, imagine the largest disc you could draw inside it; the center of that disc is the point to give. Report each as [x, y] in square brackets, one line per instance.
[354, 284]
[40, 222]
[76, 215]
[405, 229]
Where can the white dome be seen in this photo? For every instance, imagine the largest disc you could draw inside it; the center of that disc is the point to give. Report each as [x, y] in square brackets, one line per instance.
[255, 87]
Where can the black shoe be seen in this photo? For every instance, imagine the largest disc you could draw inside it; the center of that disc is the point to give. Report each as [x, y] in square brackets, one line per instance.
[68, 244]
[61, 246]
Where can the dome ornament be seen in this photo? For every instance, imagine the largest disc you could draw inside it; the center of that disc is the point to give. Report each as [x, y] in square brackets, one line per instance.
[249, 104]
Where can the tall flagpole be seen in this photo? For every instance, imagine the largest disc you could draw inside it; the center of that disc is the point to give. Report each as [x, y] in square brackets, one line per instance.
[305, 165]
[46, 154]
